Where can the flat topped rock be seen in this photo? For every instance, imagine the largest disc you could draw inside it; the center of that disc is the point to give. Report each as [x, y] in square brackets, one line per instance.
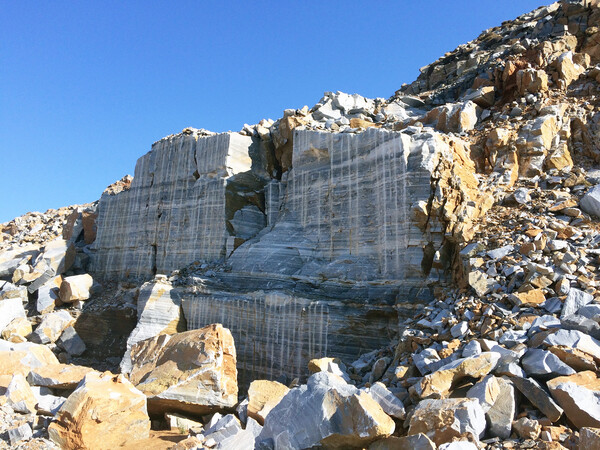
[58, 376]
[22, 357]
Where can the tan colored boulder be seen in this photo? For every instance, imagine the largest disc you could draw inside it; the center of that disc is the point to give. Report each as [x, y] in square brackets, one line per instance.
[533, 297]
[88, 220]
[579, 396]
[193, 372]
[439, 383]
[443, 420]
[559, 158]
[532, 81]
[105, 412]
[58, 376]
[332, 365]
[22, 357]
[17, 330]
[52, 326]
[567, 70]
[360, 123]
[76, 287]
[263, 396]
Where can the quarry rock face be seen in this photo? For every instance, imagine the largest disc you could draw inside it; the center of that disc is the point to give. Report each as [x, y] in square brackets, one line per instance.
[432, 259]
[339, 244]
[174, 212]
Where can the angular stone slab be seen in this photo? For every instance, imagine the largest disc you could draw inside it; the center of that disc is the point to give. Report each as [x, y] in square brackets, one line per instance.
[326, 411]
[538, 397]
[579, 395]
[192, 372]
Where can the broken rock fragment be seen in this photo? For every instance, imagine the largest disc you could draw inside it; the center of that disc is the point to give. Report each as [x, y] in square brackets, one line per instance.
[193, 372]
[442, 420]
[76, 287]
[538, 397]
[105, 412]
[58, 376]
[263, 396]
[325, 411]
[52, 326]
[439, 383]
[579, 396]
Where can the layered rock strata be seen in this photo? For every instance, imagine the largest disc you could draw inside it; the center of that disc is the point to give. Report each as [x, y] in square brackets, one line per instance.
[321, 259]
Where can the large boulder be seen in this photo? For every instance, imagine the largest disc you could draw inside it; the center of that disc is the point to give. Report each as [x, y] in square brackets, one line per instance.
[443, 420]
[22, 357]
[326, 411]
[106, 411]
[192, 372]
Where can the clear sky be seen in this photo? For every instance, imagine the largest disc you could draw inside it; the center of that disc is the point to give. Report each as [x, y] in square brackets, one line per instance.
[86, 87]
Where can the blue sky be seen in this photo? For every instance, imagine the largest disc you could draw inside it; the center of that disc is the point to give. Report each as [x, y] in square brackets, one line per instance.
[87, 87]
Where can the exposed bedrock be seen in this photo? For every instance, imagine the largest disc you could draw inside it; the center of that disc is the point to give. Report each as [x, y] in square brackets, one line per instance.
[317, 261]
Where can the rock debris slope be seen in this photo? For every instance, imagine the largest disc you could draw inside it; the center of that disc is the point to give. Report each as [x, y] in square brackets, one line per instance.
[416, 272]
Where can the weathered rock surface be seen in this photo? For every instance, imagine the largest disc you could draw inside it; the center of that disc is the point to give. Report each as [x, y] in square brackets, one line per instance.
[263, 396]
[442, 420]
[180, 185]
[159, 312]
[58, 376]
[194, 371]
[106, 411]
[349, 222]
[22, 357]
[579, 396]
[326, 411]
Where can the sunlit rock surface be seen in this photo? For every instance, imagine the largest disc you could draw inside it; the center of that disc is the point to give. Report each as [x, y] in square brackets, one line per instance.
[318, 260]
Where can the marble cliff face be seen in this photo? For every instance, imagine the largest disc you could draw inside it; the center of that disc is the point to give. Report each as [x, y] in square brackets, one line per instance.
[321, 257]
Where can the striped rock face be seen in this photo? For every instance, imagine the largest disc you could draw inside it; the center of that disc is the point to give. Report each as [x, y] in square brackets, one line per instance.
[321, 258]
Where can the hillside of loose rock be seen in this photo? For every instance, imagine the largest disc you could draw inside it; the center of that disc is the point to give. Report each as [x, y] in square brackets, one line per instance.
[414, 272]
